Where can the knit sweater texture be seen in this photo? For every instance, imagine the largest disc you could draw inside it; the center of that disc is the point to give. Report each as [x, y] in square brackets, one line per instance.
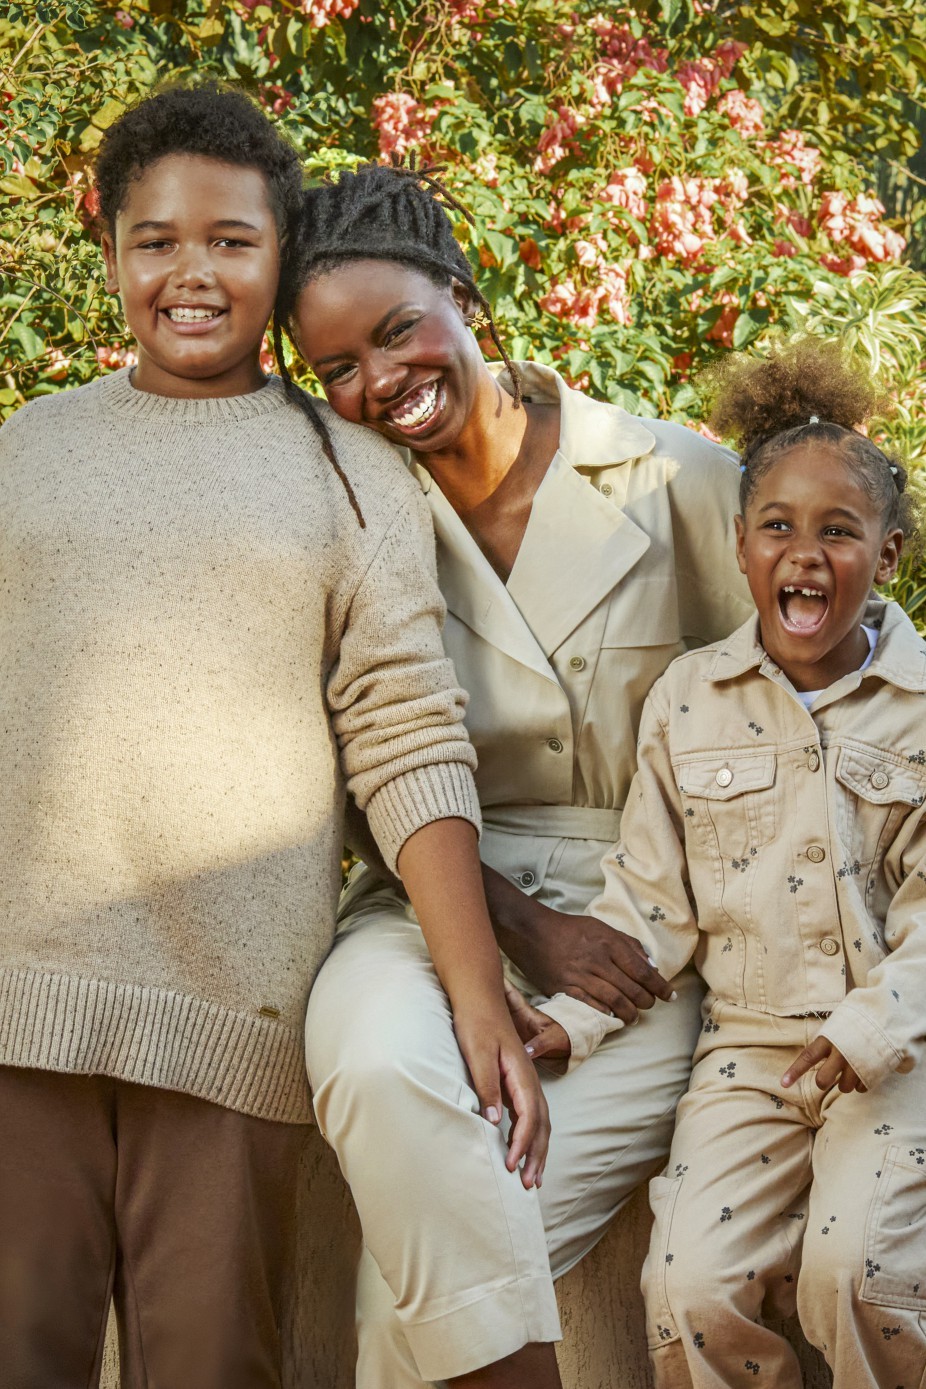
[199, 649]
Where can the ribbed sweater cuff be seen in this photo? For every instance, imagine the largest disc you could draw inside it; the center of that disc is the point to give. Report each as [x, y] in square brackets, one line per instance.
[443, 791]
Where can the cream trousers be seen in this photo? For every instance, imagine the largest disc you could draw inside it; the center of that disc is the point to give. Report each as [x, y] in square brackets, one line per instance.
[456, 1271]
[775, 1195]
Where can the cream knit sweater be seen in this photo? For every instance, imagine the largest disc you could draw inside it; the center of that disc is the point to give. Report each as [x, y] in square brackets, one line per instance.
[198, 646]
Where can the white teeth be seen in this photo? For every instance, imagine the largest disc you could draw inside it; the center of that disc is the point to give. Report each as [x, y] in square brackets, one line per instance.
[179, 315]
[807, 592]
[425, 406]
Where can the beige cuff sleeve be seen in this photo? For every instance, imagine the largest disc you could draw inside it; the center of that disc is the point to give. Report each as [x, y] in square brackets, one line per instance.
[584, 1025]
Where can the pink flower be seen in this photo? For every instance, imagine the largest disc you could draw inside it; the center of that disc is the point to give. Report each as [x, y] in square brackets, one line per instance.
[682, 223]
[567, 301]
[57, 365]
[790, 149]
[124, 19]
[702, 428]
[787, 249]
[112, 358]
[402, 123]
[734, 187]
[702, 76]
[614, 293]
[622, 58]
[322, 12]
[743, 113]
[627, 188]
[858, 224]
[722, 330]
[558, 140]
[843, 265]
[728, 54]
[681, 364]
[801, 224]
[486, 169]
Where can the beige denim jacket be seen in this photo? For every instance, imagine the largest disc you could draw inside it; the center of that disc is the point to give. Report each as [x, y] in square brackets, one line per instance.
[785, 851]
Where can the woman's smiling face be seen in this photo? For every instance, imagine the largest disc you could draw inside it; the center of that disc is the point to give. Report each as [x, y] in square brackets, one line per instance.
[392, 350]
[811, 545]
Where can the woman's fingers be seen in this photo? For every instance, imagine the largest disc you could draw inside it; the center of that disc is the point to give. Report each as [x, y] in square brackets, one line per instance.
[530, 1128]
[527, 1019]
[629, 956]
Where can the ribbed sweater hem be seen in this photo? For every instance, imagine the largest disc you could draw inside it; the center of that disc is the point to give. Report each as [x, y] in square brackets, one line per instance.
[157, 1037]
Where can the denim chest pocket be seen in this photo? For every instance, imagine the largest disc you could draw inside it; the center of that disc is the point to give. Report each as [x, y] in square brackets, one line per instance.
[875, 795]
[730, 800]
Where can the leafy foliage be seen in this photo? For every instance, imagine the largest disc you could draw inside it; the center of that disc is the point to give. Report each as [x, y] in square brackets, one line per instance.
[652, 183]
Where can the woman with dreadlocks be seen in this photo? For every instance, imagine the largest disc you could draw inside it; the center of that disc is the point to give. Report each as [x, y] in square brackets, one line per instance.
[579, 550]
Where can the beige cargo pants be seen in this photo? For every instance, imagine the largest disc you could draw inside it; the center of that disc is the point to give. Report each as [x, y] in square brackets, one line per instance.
[456, 1271]
[773, 1196]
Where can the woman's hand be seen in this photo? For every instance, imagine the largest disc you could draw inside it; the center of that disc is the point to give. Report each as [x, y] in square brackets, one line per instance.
[576, 955]
[543, 1038]
[502, 1074]
[834, 1068]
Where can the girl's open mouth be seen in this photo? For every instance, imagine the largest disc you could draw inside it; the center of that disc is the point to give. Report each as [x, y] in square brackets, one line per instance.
[419, 409]
[802, 609]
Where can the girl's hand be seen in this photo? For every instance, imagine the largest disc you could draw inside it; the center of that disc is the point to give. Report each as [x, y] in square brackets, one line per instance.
[502, 1074]
[542, 1037]
[834, 1068]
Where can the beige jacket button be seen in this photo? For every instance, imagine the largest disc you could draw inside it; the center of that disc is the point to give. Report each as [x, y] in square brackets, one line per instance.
[880, 780]
[606, 489]
[829, 946]
[577, 662]
[816, 854]
[554, 745]
[724, 777]
[526, 879]
[813, 762]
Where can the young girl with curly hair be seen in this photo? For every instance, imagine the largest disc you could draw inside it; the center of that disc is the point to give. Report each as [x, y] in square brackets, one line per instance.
[776, 835]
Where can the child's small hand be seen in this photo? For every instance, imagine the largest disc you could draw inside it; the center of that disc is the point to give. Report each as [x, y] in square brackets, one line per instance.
[834, 1068]
[542, 1037]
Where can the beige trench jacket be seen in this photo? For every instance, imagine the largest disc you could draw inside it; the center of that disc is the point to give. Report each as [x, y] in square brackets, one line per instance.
[628, 558]
[784, 851]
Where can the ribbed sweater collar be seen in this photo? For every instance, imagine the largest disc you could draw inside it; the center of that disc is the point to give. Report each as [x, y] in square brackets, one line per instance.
[121, 397]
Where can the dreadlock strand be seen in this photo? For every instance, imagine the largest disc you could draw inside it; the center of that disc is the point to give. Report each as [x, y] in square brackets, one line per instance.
[513, 372]
[303, 401]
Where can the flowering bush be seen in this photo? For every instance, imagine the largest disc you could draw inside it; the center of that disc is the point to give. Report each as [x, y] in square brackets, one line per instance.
[651, 182]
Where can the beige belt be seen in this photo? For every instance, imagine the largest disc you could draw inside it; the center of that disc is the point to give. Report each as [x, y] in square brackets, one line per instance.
[554, 821]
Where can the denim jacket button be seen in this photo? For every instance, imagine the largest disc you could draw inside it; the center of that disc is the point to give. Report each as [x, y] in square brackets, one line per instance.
[724, 777]
[829, 946]
[816, 854]
[813, 762]
[880, 780]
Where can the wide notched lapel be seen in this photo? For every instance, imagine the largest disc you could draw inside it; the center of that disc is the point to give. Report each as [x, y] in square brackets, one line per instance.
[474, 592]
[578, 545]
[577, 548]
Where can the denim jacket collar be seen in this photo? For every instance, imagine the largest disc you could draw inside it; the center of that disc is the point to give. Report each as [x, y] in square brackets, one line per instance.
[899, 659]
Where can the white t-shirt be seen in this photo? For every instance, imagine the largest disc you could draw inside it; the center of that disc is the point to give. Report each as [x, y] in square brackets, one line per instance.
[807, 697]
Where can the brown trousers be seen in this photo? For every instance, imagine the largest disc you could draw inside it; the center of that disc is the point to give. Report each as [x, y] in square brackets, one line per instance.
[178, 1210]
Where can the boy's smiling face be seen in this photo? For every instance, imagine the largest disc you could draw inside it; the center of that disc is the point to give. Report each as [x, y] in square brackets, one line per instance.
[195, 261]
[811, 545]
